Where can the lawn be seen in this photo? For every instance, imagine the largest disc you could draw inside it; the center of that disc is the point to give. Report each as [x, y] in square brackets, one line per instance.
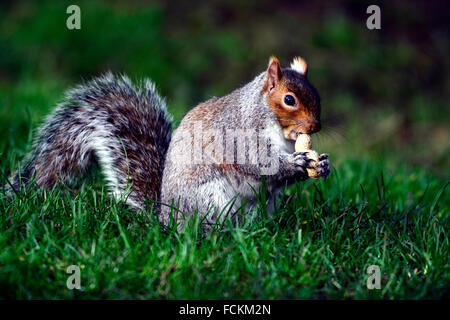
[385, 120]
[318, 243]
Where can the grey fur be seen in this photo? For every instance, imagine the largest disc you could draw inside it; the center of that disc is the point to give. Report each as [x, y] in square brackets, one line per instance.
[128, 130]
[206, 188]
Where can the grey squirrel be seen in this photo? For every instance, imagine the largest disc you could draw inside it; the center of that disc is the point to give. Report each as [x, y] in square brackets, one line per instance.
[212, 163]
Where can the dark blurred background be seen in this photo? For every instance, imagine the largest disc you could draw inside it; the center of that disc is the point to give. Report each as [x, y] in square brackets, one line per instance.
[384, 92]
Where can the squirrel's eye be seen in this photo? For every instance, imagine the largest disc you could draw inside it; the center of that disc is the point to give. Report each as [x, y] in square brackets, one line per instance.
[289, 100]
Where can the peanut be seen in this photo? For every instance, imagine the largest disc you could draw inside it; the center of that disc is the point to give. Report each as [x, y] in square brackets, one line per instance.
[303, 144]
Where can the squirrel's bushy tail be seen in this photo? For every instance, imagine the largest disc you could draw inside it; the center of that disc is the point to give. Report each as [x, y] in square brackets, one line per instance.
[127, 129]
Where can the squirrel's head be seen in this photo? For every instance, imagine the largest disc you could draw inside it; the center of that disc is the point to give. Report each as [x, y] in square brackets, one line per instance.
[294, 101]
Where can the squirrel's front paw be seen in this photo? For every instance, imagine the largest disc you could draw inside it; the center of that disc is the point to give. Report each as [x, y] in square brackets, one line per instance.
[301, 162]
[323, 167]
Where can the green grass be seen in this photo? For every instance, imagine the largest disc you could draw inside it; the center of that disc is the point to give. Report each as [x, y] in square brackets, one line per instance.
[384, 104]
[318, 243]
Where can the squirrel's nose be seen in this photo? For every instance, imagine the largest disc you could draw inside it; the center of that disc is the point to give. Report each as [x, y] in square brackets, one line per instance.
[311, 127]
[308, 126]
[314, 127]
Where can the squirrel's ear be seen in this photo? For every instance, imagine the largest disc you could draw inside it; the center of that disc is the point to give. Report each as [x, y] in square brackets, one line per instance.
[299, 65]
[273, 72]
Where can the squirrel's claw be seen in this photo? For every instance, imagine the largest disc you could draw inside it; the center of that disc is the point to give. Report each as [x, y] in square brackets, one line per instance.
[299, 153]
[323, 167]
[301, 162]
